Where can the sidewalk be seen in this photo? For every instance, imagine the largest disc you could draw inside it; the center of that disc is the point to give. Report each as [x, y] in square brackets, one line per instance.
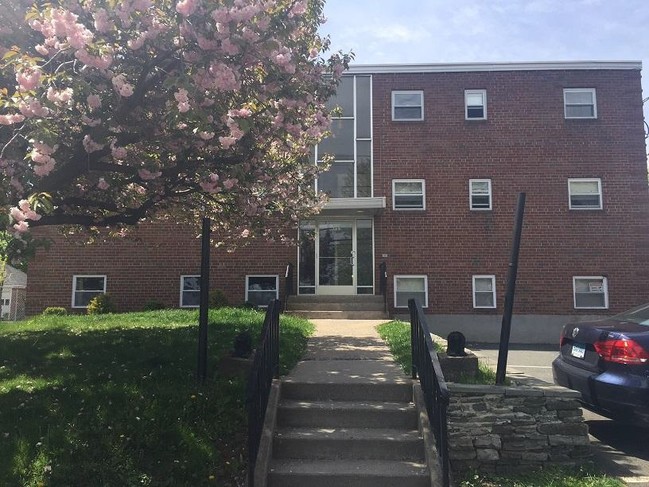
[347, 351]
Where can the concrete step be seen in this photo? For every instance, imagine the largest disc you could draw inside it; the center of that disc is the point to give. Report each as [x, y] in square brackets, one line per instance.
[347, 473]
[320, 298]
[348, 443]
[345, 391]
[339, 315]
[346, 414]
[336, 306]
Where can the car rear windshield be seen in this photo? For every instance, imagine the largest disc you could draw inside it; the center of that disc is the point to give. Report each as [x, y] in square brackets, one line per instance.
[639, 315]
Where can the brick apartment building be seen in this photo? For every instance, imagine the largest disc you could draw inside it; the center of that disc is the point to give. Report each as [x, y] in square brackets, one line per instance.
[429, 161]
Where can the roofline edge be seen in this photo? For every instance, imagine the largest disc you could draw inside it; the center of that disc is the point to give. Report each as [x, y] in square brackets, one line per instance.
[479, 67]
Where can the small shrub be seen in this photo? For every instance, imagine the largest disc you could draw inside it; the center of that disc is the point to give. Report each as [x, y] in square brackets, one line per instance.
[100, 305]
[153, 305]
[218, 299]
[55, 311]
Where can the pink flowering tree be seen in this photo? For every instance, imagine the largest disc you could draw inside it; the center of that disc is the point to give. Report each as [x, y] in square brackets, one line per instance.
[113, 113]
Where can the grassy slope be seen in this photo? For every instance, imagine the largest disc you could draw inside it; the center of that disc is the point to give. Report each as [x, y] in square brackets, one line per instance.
[111, 400]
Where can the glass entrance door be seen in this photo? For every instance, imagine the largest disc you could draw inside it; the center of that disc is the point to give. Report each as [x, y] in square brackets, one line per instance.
[336, 257]
[336, 252]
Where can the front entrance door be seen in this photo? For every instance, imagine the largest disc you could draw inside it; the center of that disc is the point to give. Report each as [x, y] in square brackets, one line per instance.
[336, 263]
[336, 256]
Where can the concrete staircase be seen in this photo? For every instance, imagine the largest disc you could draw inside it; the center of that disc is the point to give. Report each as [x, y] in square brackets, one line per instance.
[345, 417]
[356, 307]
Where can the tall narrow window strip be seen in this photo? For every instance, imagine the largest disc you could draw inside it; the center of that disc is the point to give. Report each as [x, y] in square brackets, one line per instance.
[590, 292]
[475, 103]
[190, 291]
[407, 105]
[480, 194]
[585, 194]
[484, 291]
[84, 288]
[580, 103]
[409, 287]
[408, 194]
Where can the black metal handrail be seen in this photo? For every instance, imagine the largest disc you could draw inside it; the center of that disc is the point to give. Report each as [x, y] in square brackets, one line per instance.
[265, 368]
[426, 367]
[383, 284]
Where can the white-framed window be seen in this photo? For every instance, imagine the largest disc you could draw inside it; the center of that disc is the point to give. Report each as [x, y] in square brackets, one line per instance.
[190, 291]
[407, 105]
[484, 291]
[590, 292]
[585, 194]
[261, 290]
[480, 194]
[86, 287]
[475, 104]
[579, 103]
[409, 287]
[408, 194]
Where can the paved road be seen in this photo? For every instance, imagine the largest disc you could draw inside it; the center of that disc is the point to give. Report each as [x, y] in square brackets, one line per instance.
[622, 450]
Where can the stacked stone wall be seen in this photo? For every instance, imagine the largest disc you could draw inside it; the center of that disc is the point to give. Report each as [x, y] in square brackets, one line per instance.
[501, 429]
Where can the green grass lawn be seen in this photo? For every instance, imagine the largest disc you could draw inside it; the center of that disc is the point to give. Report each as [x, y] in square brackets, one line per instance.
[112, 400]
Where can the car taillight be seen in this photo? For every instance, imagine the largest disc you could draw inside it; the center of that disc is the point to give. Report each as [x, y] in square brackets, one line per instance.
[621, 351]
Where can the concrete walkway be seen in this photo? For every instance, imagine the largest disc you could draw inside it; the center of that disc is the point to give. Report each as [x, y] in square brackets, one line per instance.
[347, 351]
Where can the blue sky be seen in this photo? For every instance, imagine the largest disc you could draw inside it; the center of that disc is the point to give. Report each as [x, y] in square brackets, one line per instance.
[440, 31]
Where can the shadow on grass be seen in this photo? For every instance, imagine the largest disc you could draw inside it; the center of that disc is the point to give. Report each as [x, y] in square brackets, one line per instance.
[121, 407]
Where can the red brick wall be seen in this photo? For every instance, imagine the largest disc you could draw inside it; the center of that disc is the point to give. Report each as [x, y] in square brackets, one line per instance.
[525, 145]
[147, 266]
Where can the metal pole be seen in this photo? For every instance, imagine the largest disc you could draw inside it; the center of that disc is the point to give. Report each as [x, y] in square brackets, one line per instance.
[204, 301]
[506, 326]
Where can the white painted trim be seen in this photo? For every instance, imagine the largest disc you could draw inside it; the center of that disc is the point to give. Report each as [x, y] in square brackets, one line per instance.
[483, 93]
[493, 289]
[604, 286]
[585, 180]
[471, 194]
[355, 204]
[182, 278]
[482, 67]
[276, 276]
[423, 194]
[418, 276]
[407, 92]
[592, 91]
[74, 286]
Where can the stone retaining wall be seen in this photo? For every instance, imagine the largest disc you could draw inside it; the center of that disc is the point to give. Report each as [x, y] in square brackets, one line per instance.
[503, 429]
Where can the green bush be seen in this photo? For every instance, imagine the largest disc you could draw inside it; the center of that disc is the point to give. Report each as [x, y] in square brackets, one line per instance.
[100, 305]
[218, 299]
[153, 305]
[55, 311]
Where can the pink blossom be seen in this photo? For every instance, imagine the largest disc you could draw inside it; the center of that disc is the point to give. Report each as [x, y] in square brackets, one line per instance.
[148, 175]
[41, 49]
[206, 135]
[93, 101]
[102, 22]
[118, 153]
[136, 43]
[102, 184]
[229, 183]
[240, 113]
[11, 119]
[90, 122]
[90, 145]
[186, 7]
[17, 214]
[229, 47]
[298, 9]
[245, 233]
[28, 79]
[59, 96]
[21, 227]
[227, 142]
[123, 88]
[24, 205]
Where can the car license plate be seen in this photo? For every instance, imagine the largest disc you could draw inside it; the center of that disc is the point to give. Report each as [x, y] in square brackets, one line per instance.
[578, 351]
